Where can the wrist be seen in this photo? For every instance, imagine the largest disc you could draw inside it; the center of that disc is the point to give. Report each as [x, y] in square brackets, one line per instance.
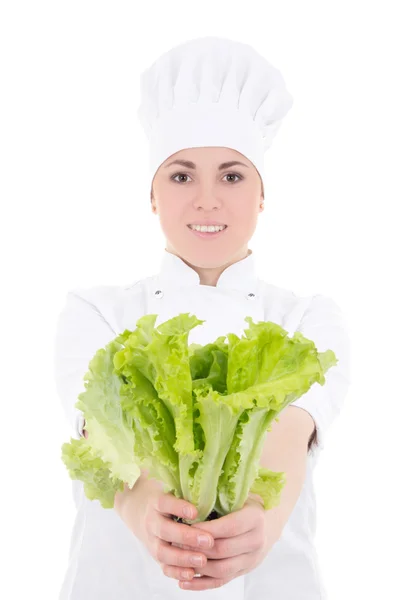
[131, 504]
[137, 495]
[121, 497]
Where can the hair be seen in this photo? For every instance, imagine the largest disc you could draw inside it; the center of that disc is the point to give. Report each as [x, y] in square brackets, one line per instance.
[313, 441]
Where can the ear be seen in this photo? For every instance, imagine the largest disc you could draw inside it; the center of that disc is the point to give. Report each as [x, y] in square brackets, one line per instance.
[153, 204]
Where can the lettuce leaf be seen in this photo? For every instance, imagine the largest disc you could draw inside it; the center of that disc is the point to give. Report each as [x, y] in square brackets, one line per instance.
[195, 416]
[83, 463]
[110, 427]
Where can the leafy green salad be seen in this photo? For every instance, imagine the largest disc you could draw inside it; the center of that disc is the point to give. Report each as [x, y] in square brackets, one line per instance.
[195, 416]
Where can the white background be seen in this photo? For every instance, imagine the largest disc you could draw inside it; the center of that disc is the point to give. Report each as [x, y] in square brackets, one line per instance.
[75, 210]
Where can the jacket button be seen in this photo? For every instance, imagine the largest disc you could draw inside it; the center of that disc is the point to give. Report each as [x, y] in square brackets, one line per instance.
[159, 294]
[250, 296]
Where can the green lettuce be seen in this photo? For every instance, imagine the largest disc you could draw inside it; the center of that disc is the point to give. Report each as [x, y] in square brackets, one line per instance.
[196, 417]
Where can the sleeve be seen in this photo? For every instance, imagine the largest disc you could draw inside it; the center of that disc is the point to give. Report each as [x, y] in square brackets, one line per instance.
[81, 330]
[325, 324]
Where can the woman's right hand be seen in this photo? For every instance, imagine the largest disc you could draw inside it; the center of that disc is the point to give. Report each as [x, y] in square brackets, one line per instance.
[147, 512]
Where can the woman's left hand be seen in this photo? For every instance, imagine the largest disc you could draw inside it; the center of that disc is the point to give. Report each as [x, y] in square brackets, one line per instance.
[241, 543]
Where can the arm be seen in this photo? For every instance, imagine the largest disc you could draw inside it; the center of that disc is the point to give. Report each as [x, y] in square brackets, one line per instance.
[243, 538]
[80, 331]
[325, 323]
[285, 449]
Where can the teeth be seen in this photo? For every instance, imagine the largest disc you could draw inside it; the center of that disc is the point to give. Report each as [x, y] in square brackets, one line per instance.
[210, 228]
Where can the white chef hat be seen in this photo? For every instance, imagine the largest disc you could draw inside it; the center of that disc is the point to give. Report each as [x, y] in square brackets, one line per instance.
[211, 91]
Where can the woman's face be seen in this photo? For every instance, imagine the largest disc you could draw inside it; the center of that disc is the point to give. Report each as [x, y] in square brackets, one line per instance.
[207, 190]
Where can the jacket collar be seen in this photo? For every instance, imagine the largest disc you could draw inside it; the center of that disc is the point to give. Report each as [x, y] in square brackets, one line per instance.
[240, 275]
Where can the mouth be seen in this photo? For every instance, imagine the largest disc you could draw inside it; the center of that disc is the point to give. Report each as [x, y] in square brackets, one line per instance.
[209, 232]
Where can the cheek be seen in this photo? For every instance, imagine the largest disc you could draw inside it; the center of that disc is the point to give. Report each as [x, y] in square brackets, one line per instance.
[246, 216]
[170, 217]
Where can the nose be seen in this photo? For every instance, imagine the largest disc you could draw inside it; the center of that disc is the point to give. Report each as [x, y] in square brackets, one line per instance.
[207, 202]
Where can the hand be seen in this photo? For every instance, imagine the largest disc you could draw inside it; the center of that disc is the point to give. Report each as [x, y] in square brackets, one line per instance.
[147, 505]
[241, 543]
[147, 511]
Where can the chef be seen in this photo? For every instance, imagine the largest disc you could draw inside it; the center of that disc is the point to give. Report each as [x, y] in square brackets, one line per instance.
[210, 108]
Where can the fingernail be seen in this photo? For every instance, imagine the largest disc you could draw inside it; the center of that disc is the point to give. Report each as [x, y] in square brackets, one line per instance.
[185, 584]
[187, 511]
[204, 541]
[197, 561]
[186, 574]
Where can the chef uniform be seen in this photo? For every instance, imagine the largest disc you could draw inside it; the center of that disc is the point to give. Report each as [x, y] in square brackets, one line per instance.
[106, 561]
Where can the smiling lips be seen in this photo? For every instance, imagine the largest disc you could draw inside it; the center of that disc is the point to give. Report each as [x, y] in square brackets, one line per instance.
[207, 231]
[211, 228]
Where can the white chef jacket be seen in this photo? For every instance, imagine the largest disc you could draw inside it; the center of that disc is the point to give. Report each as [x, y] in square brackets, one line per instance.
[106, 561]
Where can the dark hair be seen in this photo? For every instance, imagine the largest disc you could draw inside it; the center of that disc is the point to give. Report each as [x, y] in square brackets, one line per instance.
[313, 441]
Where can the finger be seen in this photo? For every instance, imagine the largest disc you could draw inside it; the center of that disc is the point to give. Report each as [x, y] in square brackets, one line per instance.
[177, 572]
[226, 568]
[188, 535]
[235, 523]
[233, 546]
[175, 557]
[206, 583]
[169, 505]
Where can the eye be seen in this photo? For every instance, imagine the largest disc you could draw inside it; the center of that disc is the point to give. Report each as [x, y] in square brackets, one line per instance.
[179, 175]
[173, 177]
[233, 175]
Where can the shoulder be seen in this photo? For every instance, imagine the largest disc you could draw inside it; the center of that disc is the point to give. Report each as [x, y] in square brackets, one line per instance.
[292, 309]
[282, 303]
[119, 305]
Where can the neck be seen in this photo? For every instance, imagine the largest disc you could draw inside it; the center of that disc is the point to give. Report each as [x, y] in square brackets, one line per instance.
[210, 276]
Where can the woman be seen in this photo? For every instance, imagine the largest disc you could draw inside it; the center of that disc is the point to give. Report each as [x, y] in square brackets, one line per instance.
[210, 108]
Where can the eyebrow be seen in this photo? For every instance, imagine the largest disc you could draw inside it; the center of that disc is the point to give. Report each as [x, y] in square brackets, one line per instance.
[190, 165]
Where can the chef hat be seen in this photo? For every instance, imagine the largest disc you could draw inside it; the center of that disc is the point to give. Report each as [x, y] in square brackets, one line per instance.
[211, 91]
